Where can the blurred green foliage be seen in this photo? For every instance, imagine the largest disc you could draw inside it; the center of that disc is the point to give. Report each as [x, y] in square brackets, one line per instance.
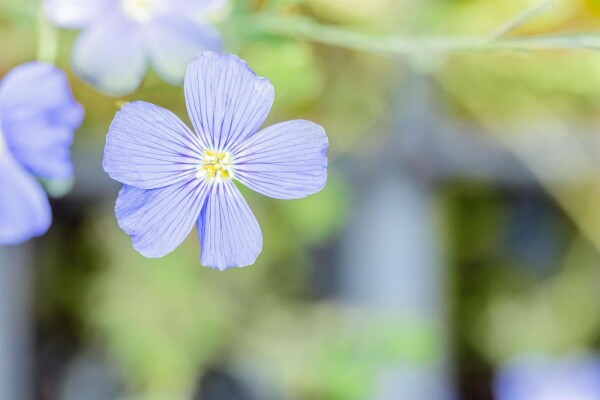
[504, 85]
[166, 320]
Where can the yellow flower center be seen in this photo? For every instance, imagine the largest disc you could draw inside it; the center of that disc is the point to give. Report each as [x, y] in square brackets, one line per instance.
[216, 166]
[138, 10]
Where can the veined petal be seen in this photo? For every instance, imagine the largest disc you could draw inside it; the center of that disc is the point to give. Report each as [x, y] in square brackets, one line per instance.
[24, 208]
[229, 233]
[39, 117]
[78, 13]
[286, 161]
[110, 56]
[173, 41]
[158, 220]
[149, 147]
[225, 99]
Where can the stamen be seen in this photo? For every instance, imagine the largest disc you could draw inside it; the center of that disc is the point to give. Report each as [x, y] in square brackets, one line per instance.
[216, 166]
[138, 10]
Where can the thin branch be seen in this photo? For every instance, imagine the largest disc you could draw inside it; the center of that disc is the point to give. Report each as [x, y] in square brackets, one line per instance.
[396, 45]
[47, 43]
[521, 18]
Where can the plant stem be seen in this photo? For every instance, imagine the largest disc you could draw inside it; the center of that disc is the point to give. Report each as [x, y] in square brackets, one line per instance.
[521, 18]
[396, 45]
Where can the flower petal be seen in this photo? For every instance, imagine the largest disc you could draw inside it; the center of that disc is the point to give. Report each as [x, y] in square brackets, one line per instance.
[37, 86]
[110, 56]
[174, 41]
[229, 233]
[158, 220]
[193, 8]
[285, 161]
[77, 13]
[225, 99]
[39, 116]
[43, 149]
[24, 208]
[149, 147]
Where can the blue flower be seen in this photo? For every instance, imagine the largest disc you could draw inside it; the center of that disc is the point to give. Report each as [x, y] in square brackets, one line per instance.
[38, 116]
[175, 178]
[543, 377]
[120, 36]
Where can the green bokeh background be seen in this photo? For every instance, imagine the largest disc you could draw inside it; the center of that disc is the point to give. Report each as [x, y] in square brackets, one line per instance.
[162, 322]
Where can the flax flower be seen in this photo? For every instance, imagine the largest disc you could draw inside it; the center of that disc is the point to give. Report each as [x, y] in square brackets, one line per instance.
[176, 178]
[38, 117]
[120, 36]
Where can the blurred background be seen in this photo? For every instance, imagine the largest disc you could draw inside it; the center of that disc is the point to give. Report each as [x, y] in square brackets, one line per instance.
[453, 254]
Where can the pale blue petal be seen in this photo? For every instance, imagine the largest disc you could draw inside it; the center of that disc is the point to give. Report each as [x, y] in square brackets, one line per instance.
[149, 147]
[39, 117]
[158, 220]
[35, 87]
[174, 41]
[543, 377]
[110, 56]
[146, 10]
[24, 208]
[43, 149]
[72, 14]
[194, 8]
[285, 161]
[225, 99]
[229, 233]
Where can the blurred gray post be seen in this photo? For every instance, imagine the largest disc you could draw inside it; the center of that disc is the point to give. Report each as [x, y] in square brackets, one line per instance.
[392, 267]
[391, 254]
[391, 258]
[15, 320]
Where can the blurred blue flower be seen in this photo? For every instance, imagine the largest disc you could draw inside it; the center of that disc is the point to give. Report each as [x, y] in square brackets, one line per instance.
[38, 116]
[175, 178]
[546, 378]
[120, 36]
